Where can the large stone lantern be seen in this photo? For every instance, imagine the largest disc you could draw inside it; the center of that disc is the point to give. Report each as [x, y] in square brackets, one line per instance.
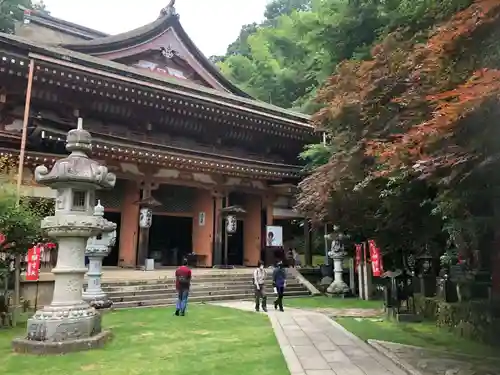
[69, 323]
[98, 248]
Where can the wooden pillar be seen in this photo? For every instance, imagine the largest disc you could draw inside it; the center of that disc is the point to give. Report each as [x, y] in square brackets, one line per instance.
[307, 243]
[219, 232]
[129, 225]
[269, 205]
[203, 226]
[147, 186]
[252, 236]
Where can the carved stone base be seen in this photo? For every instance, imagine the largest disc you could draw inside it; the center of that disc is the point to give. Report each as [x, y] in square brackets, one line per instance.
[25, 346]
[338, 288]
[64, 323]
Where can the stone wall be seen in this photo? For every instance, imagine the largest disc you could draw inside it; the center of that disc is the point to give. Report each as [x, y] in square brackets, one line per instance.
[45, 291]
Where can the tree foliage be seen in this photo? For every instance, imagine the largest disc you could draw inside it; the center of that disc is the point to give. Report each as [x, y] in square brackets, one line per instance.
[292, 52]
[19, 218]
[11, 12]
[417, 115]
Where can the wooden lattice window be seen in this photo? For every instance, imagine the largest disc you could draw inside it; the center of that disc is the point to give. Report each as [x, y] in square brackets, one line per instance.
[79, 200]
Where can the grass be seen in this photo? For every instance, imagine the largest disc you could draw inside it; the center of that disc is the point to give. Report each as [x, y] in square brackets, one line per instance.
[425, 335]
[209, 340]
[317, 260]
[333, 303]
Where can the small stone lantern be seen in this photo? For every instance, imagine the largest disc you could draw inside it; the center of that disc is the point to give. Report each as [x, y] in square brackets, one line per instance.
[69, 323]
[337, 253]
[98, 248]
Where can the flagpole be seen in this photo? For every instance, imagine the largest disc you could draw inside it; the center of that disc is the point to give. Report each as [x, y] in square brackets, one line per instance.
[20, 171]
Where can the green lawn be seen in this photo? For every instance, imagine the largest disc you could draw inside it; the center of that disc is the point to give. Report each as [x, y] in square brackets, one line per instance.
[333, 303]
[209, 340]
[425, 335]
[317, 260]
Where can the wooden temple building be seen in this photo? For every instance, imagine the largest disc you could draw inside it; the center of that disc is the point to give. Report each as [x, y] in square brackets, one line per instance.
[164, 119]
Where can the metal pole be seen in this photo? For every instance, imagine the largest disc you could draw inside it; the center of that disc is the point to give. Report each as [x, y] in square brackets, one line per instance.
[326, 245]
[20, 170]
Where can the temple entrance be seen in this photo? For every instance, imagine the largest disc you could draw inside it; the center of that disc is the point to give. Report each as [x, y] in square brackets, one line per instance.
[112, 258]
[170, 239]
[235, 246]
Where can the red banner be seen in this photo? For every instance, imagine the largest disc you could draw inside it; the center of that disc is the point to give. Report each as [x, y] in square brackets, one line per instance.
[376, 258]
[33, 264]
[357, 259]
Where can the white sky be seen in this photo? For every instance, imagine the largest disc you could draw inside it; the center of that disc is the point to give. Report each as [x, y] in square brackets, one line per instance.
[211, 24]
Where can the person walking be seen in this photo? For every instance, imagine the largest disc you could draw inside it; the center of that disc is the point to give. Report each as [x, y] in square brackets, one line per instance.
[279, 285]
[182, 285]
[259, 279]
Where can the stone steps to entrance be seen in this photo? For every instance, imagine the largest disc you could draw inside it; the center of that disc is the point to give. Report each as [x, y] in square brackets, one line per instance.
[123, 297]
[171, 301]
[110, 288]
[204, 288]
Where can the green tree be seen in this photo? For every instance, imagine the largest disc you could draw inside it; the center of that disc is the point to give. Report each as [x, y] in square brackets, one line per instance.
[279, 8]
[11, 12]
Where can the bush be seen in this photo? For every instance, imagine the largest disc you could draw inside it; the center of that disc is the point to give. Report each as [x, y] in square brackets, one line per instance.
[475, 320]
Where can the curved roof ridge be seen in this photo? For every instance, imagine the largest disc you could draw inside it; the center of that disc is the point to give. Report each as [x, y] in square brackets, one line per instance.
[168, 18]
[45, 18]
[161, 23]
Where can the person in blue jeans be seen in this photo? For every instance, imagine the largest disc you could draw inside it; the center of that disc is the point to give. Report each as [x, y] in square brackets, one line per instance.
[182, 285]
[279, 284]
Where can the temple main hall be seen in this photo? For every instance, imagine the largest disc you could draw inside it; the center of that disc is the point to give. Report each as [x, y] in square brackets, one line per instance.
[186, 144]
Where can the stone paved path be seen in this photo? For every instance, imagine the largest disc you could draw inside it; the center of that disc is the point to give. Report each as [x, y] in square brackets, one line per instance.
[313, 344]
[420, 361]
[352, 313]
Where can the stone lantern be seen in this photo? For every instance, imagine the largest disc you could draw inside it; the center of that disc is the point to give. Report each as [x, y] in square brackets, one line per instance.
[68, 323]
[337, 253]
[98, 248]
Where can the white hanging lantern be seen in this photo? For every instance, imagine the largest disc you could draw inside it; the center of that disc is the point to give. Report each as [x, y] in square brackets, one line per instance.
[146, 217]
[231, 224]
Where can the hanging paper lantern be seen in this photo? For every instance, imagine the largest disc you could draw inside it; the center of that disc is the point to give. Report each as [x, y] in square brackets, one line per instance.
[231, 224]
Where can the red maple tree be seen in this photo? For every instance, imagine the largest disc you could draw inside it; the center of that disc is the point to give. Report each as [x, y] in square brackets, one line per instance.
[413, 106]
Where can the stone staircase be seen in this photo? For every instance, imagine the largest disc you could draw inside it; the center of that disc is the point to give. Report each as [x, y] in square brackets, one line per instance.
[204, 288]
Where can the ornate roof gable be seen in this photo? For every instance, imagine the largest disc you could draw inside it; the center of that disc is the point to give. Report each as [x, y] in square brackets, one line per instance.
[167, 36]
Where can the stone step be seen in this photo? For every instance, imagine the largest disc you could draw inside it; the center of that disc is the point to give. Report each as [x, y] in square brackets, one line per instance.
[195, 283]
[170, 293]
[195, 299]
[200, 278]
[195, 287]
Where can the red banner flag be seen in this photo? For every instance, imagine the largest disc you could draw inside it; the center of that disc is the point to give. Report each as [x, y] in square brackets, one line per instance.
[33, 264]
[357, 259]
[376, 258]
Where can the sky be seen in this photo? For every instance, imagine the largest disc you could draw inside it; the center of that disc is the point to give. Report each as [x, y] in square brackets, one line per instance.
[211, 24]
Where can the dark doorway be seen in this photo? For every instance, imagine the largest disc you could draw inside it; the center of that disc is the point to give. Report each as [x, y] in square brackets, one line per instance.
[170, 239]
[112, 259]
[235, 246]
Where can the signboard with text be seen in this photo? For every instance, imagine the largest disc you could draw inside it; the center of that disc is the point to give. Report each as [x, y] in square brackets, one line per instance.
[376, 258]
[33, 263]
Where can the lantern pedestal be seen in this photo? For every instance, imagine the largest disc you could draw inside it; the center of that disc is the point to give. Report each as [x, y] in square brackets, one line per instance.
[97, 249]
[338, 287]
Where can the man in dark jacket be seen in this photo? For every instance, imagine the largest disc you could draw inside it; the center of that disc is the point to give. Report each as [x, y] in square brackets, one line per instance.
[182, 284]
[279, 284]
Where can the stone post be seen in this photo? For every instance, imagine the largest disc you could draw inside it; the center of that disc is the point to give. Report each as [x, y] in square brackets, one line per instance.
[98, 248]
[69, 323]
